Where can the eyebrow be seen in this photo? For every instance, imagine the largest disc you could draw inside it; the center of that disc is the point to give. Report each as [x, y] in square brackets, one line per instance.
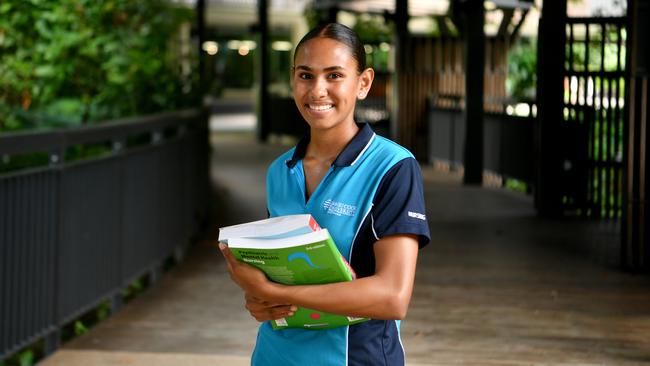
[329, 68]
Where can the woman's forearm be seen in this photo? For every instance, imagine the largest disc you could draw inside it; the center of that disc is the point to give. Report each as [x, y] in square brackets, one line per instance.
[366, 297]
[384, 295]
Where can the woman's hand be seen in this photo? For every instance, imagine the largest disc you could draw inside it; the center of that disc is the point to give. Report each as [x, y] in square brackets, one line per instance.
[250, 279]
[263, 310]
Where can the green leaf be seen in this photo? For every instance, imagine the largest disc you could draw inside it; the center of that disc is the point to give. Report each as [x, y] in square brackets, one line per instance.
[116, 77]
[27, 358]
[5, 8]
[103, 58]
[79, 328]
[45, 71]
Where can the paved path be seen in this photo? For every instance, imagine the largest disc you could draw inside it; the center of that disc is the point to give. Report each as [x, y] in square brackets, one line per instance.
[496, 286]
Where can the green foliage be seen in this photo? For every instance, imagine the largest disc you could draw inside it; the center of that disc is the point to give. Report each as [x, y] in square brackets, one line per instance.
[66, 62]
[311, 15]
[516, 185]
[80, 328]
[373, 29]
[26, 357]
[134, 289]
[24, 161]
[522, 70]
[103, 311]
[614, 49]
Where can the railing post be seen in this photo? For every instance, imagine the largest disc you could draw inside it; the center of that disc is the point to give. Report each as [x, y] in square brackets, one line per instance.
[52, 342]
[154, 273]
[179, 253]
[116, 302]
[156, 137]
[57, 156]
[54, 184]
[182, 130]
[118, 146]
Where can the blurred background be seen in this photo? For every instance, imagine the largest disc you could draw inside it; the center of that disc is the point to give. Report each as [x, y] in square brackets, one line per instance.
[141, 126]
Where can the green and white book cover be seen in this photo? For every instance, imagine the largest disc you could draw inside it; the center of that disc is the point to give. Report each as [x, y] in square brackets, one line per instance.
[304, 259]
[271, 228]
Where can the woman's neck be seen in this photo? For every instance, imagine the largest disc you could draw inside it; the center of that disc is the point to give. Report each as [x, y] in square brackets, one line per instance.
[326, 145]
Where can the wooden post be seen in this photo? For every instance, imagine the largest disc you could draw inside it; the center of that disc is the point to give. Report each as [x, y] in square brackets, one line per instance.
[263, 122]
[635, 248]
[474, 21]
[200, 30]
[333, 14]
[550, 94]
[400, 19]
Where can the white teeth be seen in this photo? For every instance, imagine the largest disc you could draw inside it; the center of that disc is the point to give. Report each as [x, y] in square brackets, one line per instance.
[320, 107]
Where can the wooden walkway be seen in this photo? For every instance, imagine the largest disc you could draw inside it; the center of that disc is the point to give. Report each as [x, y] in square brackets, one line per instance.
[496, 286]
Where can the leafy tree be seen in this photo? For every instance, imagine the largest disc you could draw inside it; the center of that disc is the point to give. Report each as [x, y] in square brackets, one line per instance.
[373, 29]
[75, 61]
[522, 69]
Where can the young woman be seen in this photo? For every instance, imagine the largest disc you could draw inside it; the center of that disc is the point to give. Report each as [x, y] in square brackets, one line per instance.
[366, 190]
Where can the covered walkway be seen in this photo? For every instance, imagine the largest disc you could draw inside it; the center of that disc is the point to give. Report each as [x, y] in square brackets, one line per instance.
[496, 286]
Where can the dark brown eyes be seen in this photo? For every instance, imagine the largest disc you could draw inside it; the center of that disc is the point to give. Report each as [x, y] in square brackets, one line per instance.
[307, 76]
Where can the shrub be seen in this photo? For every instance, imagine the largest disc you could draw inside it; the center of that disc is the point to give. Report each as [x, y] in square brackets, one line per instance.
[69, 62]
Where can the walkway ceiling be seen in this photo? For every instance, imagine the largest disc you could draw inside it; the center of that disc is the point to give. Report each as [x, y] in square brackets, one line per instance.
[239, 15]
[416, 7]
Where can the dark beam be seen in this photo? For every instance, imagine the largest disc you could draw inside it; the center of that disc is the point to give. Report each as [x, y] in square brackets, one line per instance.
[550, 94]
[200, 30]
[401, 16]
[635, 248]
[263, 122]
[400, 19]
[332, 14]
[515, 30]
[442, 26]
[473, 14]
[505, 22]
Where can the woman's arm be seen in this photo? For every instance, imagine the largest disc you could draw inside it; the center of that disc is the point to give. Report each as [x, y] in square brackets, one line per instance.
[384, 295]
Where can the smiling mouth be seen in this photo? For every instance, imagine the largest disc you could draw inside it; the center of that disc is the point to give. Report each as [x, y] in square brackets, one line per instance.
[320, 108]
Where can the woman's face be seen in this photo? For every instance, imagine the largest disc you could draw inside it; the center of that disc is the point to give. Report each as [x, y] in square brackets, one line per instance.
[326, 83]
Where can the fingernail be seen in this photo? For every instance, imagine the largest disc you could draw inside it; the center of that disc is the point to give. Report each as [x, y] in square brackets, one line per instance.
[293, 308]
[290, 313]
[222, 246]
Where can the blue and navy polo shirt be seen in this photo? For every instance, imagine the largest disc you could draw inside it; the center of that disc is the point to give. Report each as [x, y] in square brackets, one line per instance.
[373, 189]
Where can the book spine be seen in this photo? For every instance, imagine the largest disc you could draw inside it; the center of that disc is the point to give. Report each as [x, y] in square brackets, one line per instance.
[344, 267]
[349, 268]
[313, 224]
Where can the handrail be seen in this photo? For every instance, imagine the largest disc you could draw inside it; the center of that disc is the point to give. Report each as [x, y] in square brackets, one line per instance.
[12, 143]
[74, 235]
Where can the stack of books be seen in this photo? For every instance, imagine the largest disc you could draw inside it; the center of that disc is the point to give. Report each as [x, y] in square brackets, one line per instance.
[292, 250]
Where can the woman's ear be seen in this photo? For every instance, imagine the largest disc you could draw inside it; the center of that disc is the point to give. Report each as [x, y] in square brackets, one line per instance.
[365, 82]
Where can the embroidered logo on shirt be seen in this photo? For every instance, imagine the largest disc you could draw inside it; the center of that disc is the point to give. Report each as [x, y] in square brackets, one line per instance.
[339, 208]
[417, 215]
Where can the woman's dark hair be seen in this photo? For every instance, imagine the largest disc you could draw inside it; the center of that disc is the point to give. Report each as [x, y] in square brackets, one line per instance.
[340, 33]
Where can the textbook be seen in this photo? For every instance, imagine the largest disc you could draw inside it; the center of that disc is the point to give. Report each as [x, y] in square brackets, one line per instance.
[293, 250]
[272, 228]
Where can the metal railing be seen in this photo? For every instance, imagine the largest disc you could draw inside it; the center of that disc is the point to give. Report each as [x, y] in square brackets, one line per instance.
[508, 140]
[74, 233]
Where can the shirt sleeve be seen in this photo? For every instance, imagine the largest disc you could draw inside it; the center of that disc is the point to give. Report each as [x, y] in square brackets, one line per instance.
[398, 206]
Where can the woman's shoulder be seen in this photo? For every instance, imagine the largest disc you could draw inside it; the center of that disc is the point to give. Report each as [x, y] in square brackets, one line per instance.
[386, 148]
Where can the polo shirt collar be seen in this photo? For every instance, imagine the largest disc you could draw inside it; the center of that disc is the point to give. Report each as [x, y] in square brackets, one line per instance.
[350, 153]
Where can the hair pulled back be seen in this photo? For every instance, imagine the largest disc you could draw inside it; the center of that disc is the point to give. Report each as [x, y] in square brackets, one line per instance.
[340, 33]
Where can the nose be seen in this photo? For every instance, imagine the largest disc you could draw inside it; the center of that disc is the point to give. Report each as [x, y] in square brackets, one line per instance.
[319, 88]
